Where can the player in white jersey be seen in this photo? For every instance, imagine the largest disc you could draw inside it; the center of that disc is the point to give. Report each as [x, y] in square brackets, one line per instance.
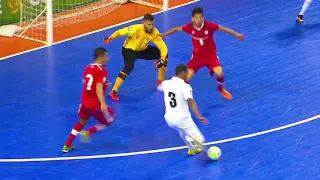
[178, 97]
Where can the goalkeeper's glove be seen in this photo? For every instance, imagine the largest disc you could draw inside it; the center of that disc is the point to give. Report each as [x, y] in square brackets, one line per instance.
[160, 63]
[107, 40]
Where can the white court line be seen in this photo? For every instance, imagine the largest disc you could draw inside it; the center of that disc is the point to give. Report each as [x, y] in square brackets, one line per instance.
[161, 150]
[96, 31]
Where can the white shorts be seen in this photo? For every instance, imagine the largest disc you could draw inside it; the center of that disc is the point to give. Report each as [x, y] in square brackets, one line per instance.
[185, 126]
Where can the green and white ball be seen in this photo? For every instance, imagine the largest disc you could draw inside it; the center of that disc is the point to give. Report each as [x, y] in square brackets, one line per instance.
[214, 153]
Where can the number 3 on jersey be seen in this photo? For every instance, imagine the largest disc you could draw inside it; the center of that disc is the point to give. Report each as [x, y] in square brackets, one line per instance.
[173, 102]
[201, 42]
[90, 81]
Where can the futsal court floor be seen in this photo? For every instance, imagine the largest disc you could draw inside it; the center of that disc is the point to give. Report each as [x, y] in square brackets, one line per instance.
[269, 131]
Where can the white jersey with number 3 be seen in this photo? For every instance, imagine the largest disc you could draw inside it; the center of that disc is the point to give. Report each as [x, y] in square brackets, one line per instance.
[176, 94]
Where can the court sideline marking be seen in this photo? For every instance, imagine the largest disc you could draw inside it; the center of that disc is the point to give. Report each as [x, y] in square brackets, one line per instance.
[96, 31]
[164, 149]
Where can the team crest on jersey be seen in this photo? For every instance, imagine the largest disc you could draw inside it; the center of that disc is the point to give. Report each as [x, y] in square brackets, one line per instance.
[192, 32]
[206, 32]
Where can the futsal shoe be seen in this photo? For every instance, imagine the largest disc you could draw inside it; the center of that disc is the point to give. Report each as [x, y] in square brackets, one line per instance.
[66, 149]
[225, 93]
[114, 95]
[300, 18]
[192, 152]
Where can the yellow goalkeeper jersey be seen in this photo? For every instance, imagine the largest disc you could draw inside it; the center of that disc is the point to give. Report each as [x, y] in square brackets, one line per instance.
[138, 39]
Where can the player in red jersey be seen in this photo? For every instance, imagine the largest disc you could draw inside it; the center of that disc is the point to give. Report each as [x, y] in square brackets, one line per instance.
[93, 102]
[204, 47]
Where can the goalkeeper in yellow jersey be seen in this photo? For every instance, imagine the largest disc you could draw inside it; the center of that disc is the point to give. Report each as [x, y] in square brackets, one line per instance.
[136, 46]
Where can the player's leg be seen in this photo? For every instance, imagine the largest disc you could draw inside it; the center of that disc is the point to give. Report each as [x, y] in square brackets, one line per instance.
[192, 134]
[84, 118]
[304, 8]
[129, 57]
[190, 74]
[187, 140]
[104, 119]
[188, 131]
[215, 68]
[193, 66]
[220, 80]
[153, 53]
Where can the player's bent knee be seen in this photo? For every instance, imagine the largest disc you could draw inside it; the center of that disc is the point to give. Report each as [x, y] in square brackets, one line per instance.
[218, 71]
[190, 73]
[128, 69]
[122, 75]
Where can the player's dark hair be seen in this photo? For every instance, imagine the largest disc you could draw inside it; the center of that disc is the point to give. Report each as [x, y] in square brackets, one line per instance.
[148, 17]
[181, 68]
[99, 52]
[197, 10]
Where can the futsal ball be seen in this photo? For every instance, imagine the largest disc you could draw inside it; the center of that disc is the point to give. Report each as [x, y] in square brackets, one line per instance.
[214, 153]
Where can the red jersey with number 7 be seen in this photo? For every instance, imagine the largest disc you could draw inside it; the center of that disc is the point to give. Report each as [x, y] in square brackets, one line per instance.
[93, 74]
[202, 38]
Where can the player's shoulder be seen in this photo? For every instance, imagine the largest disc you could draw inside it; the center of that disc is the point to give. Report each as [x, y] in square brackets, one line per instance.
[180, 83]
[134, 27]
[155, 30]
[95, 67]
[186, 85]
[137, 26]
[187, 26]
[165, 82]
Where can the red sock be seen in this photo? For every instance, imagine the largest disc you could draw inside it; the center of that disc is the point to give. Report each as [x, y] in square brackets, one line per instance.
[220, 81]
[96, 128]
[76, 129]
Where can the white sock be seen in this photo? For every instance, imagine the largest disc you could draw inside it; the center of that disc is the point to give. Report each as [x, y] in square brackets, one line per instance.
[305, 6]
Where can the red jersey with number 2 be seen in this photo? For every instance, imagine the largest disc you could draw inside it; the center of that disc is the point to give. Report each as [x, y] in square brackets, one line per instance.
[202, 38]
[93, 74]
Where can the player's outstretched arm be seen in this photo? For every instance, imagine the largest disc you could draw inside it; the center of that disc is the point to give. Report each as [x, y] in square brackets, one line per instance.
[158, 41]
[100, 94]
[194, 107]
[127, 31]
[232, 32]
[172, 31]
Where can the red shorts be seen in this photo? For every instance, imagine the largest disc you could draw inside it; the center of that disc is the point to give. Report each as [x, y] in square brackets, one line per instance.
[103, 117]
[197, 62]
